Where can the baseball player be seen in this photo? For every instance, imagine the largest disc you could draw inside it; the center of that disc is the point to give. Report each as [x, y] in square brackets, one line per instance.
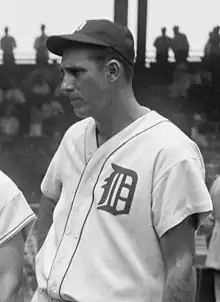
[16, 218]
[127, 185]
[213, 255]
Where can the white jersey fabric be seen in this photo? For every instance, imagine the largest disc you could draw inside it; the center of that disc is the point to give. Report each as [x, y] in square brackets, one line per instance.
[115, 201]
[15, 213]
[213, 255]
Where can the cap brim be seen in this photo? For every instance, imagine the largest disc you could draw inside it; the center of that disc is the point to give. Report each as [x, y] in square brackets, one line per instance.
[58, 44]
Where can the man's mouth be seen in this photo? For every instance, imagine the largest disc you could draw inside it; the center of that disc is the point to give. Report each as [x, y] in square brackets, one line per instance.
[76, 101]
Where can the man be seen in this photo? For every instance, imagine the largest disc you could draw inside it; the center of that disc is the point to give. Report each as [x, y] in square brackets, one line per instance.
[180, 46]
[213, 256]
[162, 45]
[127, 185]
[40, 48]
[8, 44]
[16, 218]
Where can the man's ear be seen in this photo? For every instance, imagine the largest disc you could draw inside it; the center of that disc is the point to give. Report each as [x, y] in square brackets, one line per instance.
[113, 70]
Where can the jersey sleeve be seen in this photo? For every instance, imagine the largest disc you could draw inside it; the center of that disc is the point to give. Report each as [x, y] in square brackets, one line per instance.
[15, 213]
[52, 182]
[215, 195]
[179, 193]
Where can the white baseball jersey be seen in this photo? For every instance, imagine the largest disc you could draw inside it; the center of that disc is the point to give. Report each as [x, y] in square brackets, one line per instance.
[15, 213]
[213, 255]
[115, 201]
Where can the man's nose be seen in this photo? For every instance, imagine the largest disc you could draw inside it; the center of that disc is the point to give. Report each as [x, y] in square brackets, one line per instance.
[67, 84]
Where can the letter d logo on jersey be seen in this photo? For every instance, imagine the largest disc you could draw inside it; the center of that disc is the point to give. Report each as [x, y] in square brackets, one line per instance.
[119, 191]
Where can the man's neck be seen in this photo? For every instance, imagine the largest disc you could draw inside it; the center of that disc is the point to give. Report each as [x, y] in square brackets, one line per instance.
[116, 120]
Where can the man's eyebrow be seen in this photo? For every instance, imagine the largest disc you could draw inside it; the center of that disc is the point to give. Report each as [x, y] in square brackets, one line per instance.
[72, 68]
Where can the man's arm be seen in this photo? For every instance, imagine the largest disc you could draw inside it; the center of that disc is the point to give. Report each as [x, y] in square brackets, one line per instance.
[45, 218]
[11, 268]
[178, 249]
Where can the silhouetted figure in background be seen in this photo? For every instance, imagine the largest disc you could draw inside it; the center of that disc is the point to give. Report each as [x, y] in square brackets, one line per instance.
[8, 44]
[212, 47]
[212, 54]
[42, 55]
[180, 46]
[162, 45]
[208, 46]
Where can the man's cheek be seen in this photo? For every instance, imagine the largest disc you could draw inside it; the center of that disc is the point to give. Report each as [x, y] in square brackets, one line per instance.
[91, 90]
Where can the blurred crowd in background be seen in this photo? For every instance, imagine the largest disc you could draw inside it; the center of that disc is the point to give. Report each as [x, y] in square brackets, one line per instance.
[32, 103]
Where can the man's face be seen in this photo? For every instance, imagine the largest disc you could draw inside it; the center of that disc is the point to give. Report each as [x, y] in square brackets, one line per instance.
[85, 83]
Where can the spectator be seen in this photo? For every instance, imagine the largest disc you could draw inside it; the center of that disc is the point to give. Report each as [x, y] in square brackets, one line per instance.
[212, 53]
[162, 45]
[180, 46]
[36, 126]
[53, 108]
[51, 113]
[40, 94]
[14, 94]
[54, 76]
[197, 134]
[40, 86]
[9, 127]
[42, 55]
[8, 44]
[209, 46]
[57, 108]
[212, 47]
[215, 40]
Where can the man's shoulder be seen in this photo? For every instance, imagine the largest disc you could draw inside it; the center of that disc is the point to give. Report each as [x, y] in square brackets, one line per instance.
[172, 142]
[8, 189]
[4, 179]
[157, 40]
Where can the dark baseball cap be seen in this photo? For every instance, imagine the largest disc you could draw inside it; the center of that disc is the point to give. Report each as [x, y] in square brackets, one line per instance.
[96, 32]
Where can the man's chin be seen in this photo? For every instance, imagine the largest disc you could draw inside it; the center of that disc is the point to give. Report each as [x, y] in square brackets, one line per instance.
[79, 112]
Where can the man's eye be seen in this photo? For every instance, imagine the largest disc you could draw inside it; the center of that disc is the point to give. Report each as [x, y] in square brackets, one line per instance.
[75, 73]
